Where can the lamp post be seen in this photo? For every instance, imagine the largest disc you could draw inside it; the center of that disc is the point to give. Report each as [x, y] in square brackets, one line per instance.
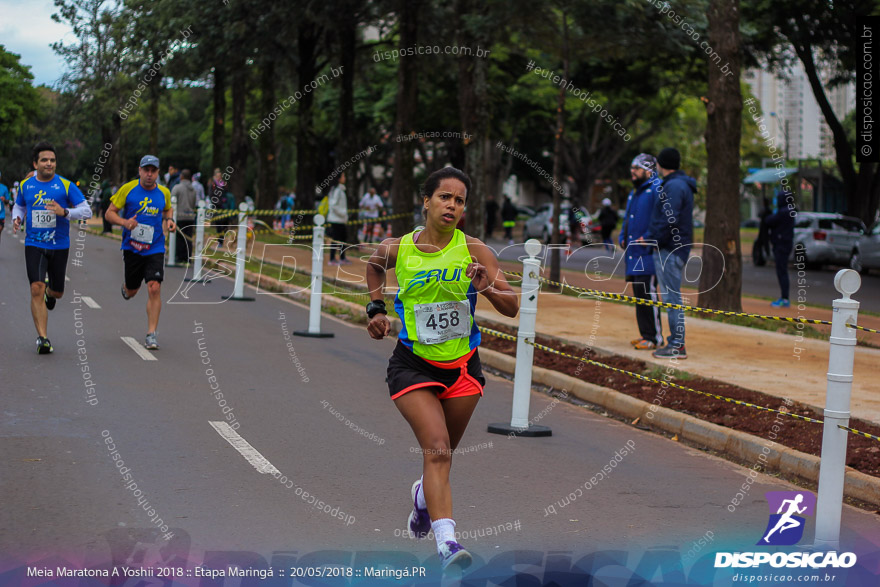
[784, 132]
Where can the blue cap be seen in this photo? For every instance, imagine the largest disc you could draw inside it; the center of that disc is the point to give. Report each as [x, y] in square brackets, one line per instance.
[150, 160]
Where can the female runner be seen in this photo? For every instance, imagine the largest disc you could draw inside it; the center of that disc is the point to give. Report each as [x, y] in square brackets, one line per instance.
[434, 374]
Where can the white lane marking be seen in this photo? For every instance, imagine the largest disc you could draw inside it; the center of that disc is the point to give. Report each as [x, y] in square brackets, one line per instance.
[252, 455]
[90, 302]
[138, 348]
[66, 278]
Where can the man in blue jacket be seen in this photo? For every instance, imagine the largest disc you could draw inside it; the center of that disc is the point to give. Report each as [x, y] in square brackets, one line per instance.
[781, 227]
[672, 229]
[639, 258]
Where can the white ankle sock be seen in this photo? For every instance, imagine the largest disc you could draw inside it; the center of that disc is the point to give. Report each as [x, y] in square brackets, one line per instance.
[444, 529]
[420, 494]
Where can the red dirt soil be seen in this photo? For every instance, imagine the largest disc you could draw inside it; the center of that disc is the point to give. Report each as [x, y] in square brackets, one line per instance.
[863, 454]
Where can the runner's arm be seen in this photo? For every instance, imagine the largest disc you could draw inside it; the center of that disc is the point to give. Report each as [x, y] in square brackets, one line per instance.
[488, 279]
[112, 216]
[383, 257]
[81, 211]
[167, 215]
[18, 213]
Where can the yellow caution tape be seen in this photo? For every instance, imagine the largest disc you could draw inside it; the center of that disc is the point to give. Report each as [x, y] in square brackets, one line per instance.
[380, 219]
[280, 212]
[631, 300]
[669, 383]
[859, 432]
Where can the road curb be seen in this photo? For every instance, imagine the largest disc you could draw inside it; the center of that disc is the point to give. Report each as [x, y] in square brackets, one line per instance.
[743, 446]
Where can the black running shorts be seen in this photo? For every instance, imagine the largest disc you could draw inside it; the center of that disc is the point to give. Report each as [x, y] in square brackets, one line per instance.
[407, 372]
[143, 268]
[41, 262]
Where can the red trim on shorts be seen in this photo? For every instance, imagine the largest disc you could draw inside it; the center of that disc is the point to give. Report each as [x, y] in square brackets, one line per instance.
[462, 360]
[463, 386]
[417, 386]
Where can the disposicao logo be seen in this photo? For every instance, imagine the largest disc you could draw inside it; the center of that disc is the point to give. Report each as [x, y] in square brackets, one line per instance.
[785, 527]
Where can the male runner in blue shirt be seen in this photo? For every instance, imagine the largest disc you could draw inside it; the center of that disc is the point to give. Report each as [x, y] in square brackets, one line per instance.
[4, 200]
[48, 203]
[146, 208]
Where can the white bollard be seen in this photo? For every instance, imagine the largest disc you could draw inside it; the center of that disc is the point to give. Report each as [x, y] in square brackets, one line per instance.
[522, 383]
[172, 238]
[200, 242]
[832, 464]
[240, 253]
[314, 330]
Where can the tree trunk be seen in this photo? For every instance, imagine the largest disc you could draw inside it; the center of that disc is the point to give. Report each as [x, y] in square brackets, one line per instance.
[555, 261]
[218, 138]
[867, 193]
[403, 187]
[721, 277]
[348, 43]
[473, 106]
[306, 142]
[238, 143]
[117, 155]
[155, 95]
[841, 143]
[268, 175]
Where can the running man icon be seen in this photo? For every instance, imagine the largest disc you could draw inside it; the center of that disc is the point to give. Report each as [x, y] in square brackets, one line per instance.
[786, 526]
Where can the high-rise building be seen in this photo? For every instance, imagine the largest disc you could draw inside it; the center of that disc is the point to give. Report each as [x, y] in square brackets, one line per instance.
[792, 114]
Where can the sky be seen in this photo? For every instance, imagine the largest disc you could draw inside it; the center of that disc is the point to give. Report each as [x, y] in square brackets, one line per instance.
[27, 28]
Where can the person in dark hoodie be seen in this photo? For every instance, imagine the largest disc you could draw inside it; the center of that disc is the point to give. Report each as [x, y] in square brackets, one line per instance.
[640, 258]
[672, 229]
[780, 224]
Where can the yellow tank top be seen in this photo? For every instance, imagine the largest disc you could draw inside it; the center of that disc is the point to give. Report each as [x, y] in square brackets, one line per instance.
[436, 300]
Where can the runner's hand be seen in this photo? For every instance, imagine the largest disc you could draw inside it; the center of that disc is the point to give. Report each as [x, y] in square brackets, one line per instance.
[379, 327]
[479, 276]
[55, 208]
[171, 225]
[130, 223]
[16, 224]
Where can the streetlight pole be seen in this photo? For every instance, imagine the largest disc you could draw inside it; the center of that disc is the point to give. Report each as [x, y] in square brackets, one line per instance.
[784, 128]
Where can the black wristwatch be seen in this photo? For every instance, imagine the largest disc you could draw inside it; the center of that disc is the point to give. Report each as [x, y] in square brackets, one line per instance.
[376, 307]
[66, 212]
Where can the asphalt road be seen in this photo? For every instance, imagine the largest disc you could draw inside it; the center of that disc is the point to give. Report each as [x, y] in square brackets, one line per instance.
[298, 410]
[598, 264]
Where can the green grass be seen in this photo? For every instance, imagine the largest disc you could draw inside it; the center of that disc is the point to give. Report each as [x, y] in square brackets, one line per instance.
[807, 330]
[299, 279]
[658, 371]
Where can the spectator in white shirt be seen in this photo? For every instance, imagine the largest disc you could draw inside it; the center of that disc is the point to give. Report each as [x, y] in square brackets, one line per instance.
[337, 217]
[370, 205]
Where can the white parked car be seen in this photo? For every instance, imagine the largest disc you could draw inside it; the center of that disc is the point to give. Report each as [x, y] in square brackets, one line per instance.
[540, 225]
[829, 239]
[869, 249]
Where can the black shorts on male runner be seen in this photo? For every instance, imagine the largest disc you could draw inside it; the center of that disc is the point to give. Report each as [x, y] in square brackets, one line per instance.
[143, 268]
[407, 372]
[41, 262]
